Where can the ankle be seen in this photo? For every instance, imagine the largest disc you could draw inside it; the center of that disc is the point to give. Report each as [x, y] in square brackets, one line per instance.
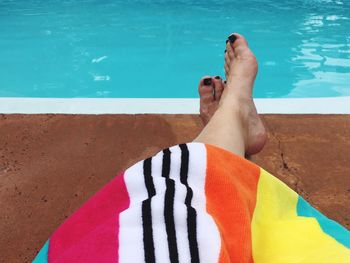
[237, 90]
[236, 110]
[234, 101]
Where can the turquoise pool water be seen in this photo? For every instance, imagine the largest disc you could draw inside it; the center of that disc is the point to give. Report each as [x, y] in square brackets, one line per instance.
[160, 49]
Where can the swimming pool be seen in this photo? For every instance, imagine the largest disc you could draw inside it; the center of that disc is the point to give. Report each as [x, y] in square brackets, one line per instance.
[160, 49]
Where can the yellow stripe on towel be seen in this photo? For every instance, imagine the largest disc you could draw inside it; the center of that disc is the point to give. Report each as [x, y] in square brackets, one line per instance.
[280, 235]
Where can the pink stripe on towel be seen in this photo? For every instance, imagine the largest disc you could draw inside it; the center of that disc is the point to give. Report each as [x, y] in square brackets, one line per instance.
[91, 233]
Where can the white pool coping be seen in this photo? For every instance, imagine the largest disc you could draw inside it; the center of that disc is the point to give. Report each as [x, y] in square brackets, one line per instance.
[335, 105]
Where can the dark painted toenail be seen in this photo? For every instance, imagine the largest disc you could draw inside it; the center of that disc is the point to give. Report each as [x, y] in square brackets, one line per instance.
[224, 81]
[232, 38]
[207, 81]
[227, 41]
[217, 77]
[225, 51]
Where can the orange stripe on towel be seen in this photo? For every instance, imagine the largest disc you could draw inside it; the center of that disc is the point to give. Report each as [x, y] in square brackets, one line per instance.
[231, 185]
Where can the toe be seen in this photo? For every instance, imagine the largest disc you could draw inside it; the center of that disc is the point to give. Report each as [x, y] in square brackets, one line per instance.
[227, 58]
[236, 45]
[227, 63]
[239, 40]
[239, 48]
[218, 88]
[206, 89]
[229, 51]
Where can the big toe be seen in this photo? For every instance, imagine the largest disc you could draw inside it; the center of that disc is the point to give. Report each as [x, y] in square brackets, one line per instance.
[242, 62]
[239, 47]
[237, 40]
[206, 90]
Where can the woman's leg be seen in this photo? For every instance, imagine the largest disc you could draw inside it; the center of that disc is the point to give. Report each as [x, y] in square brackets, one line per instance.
[235, 124]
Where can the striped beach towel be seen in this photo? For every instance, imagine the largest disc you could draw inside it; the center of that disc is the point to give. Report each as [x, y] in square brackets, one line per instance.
[197, 203]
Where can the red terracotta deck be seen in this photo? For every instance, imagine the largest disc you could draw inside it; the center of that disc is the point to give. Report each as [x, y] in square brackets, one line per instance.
[51, 164]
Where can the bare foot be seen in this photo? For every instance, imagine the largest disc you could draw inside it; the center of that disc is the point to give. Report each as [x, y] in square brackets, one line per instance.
[241, 68]
[210, 90]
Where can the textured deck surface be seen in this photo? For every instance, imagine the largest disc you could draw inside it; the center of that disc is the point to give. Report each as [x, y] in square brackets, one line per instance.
[51, 164]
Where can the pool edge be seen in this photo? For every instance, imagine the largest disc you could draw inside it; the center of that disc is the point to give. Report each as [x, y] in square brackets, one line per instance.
[334, 105]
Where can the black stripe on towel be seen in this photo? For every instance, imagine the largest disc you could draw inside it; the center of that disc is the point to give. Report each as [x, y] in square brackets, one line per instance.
[191, 212]
[147, 172]
[148, 242]
[169, 208]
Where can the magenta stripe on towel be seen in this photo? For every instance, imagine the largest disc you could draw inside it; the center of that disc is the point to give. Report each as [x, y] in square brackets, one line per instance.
[94, 228]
